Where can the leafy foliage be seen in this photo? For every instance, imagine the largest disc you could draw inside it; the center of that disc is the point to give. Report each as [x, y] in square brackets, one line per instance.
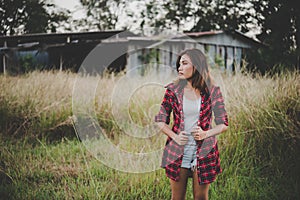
[203, 15]
[102, 14]
[280, 22]
[29, 16]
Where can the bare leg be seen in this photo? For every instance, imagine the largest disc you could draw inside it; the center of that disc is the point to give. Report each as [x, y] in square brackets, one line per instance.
[179, 188]
[200, 191]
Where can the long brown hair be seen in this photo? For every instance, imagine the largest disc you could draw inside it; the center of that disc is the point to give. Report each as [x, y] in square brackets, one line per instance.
[201, 78]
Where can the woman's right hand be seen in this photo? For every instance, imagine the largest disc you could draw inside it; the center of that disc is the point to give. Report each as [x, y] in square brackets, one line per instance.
[181, 138]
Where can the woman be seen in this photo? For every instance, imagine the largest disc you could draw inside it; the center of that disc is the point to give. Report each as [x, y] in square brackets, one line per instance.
[191, 149]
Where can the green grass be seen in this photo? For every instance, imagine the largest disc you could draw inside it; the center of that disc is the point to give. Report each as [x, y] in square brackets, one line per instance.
[67, 170]
[41, 157]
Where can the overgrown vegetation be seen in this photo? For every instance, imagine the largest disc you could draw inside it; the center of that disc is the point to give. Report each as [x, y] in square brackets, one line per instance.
[41, 157]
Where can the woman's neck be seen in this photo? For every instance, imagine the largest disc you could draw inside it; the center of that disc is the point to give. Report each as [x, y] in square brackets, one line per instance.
[189, 86]
[190, 92]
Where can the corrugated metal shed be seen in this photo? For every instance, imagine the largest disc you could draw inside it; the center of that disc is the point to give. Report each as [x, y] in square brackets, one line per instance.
[224, 50]
[63, 50]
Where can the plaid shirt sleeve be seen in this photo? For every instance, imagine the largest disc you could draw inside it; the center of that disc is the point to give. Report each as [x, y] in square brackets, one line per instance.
[218, 107]
[165, 108]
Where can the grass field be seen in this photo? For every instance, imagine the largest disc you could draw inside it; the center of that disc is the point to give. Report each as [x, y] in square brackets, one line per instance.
[42, 158]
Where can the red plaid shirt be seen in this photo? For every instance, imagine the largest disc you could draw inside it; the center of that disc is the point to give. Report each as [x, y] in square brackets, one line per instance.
[208, 160]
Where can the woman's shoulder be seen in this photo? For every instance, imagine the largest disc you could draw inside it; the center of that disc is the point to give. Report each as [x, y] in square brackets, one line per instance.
[170, 85]
[215, 91]
[175, 85]
[215, 88]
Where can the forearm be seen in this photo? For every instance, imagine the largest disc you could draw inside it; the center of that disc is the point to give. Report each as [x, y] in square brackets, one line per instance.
[166, 130]
[216, 130]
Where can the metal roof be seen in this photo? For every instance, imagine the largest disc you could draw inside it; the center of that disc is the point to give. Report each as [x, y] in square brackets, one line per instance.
[48, 40]
[234, 33]
[204, 33]
[57, 37]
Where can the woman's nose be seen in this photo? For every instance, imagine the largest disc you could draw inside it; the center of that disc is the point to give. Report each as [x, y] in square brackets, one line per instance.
[180, 67]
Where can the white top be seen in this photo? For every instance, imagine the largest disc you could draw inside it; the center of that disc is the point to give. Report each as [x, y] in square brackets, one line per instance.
[191, 110]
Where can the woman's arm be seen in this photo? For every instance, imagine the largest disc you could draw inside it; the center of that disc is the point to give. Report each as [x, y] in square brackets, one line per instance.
[199, 134]
[180, 139]
[216, 130]
[220, 115]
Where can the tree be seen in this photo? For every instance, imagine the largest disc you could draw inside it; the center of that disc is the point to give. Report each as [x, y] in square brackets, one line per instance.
[152, 16]
[42, 16]
[203, 15]
[101, 14]
[11, 13]
[169, 14]
[29, 16]
[223, 15]
[280, 22]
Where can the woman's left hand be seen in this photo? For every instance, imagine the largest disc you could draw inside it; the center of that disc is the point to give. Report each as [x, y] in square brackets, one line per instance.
[198, 133]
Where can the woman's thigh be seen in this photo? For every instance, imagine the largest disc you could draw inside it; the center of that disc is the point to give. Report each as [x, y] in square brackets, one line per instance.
[200, 191]
[179, 187]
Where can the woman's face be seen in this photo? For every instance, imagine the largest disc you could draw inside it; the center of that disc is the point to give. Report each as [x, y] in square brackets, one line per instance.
[186, 68]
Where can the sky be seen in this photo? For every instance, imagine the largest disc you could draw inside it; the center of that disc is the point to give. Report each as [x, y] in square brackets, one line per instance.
[72, 5]
[69, 4]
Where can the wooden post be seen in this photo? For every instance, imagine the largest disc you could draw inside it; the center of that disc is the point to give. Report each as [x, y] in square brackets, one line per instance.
[4, 64]
[60, 62]
[4, 60]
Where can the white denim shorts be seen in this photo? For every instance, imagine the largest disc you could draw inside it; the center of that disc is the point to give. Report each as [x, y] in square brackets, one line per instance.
[189, 155]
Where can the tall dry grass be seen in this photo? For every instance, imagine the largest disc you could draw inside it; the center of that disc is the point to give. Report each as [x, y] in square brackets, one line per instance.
[258, 152]
[36, 103]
